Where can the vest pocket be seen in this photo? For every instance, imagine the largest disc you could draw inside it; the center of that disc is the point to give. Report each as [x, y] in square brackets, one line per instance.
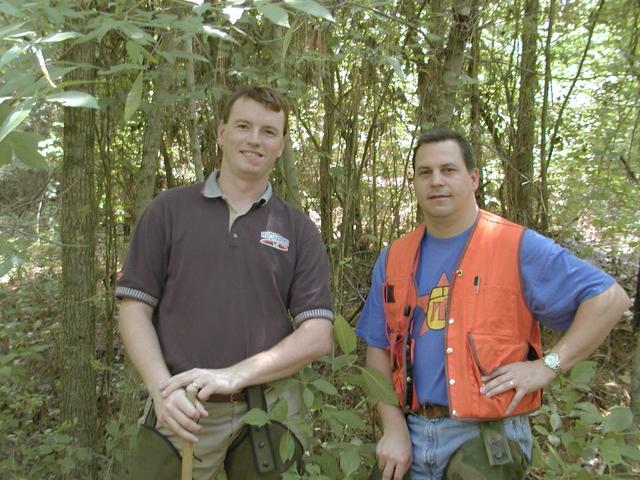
[492, 351]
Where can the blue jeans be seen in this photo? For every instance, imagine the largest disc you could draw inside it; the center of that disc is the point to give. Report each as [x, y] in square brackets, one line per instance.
[435, 440]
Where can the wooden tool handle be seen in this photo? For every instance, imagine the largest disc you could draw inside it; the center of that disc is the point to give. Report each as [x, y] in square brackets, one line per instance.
[187, 447]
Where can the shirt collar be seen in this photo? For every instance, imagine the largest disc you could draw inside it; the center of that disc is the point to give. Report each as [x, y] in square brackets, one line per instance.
[211, 189]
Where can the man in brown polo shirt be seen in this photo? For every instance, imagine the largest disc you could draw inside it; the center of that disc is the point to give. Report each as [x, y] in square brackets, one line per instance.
[225, 286]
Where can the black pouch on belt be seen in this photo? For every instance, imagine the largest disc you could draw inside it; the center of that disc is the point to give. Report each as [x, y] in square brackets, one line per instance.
[255, 453]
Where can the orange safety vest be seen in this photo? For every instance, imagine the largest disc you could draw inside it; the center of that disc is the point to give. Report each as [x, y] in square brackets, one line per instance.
[488, 321]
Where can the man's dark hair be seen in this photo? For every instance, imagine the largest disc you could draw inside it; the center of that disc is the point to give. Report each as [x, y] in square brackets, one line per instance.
[267, 96]
[436, 135]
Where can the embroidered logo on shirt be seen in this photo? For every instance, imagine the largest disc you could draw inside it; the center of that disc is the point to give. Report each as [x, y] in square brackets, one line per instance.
[275, 240]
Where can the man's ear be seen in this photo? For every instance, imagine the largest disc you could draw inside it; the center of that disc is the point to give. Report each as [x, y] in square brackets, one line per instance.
[220, 132]
[475, 178]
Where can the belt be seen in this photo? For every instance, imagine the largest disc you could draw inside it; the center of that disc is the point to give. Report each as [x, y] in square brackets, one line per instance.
[430, 410]
[240, 396]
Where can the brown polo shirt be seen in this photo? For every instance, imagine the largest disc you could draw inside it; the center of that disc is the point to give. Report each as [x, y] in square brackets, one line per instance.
[222, 292]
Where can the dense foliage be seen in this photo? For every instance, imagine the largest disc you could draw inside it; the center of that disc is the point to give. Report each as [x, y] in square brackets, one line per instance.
[547, 92]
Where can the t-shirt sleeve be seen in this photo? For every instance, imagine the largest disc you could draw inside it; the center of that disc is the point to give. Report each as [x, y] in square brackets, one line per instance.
[144, 270]
[555, 281]
[310, 293]
[371, 326]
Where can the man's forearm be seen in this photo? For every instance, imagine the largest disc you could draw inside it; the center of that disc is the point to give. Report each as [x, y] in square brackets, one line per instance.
[309, 341]
[593, 321]
[141, 343]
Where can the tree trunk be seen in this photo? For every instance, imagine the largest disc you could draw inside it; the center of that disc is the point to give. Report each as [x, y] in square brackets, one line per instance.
[543, 217]
[438, 90]
[153, 130]
[194, 124]
[77, 233]
[474, 130]
[519, 172]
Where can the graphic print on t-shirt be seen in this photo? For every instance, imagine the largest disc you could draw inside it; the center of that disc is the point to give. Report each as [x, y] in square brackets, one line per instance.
[435, 306]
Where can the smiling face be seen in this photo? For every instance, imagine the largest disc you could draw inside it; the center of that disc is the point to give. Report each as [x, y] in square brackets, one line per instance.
[251, 140]
[444, 187]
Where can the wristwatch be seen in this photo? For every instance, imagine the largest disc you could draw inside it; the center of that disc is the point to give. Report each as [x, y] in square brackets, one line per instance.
[552, 361]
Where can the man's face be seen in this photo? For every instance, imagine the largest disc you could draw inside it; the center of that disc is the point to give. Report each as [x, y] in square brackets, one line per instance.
[444, 188]
[251, 140]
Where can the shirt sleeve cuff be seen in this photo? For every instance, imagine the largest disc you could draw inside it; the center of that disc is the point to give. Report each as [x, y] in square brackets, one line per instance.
[122, 292]
[315, 313]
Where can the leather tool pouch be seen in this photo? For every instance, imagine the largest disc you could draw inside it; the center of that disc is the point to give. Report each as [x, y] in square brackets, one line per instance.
[155, 456]
[491, 456]
[255, 453]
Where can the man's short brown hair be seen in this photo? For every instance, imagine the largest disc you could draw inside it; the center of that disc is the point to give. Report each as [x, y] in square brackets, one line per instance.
[267, 96]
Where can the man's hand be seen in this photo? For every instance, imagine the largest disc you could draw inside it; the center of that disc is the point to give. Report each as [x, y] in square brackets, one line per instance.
[207, 381]
[523, 377]
[394, 452]
[176, 412]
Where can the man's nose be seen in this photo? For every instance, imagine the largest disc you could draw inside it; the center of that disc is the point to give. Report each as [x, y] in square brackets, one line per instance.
[254, 135]
[437, 178]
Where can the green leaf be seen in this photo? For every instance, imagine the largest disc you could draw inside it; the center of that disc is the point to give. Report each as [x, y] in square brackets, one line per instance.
[619, 419]
[25, 148]
[74, 98]
[583, 372]
[397, 68]
[629, 451]
[345, 336]
[15, 118]
[324, 386]
[215, 32]
[10, 29]
[349, 461]
[311, 7]
[255, 416]
[349, 418]
[11, 54]
[287, 447]
[378, 387]
[286, 41]
[279, 411]
[60, 37]
[587, 412]
[134, 98]
[5, 152]
[556, 421]
[276, 14]
[610, 452]
[308, 397]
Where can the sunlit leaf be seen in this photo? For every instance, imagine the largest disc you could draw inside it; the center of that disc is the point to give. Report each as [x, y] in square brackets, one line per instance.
[216, 32]
[60, 37]
[274, 13]
[73, 98]
[25, 148]
[397, 68]
[12, 53]
[311, 7]
[345, 336]
[378, 388]
[134, 98]
[10, 29]
[15, 118]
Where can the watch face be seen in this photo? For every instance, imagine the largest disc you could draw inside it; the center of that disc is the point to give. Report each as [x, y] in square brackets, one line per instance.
[552, 360]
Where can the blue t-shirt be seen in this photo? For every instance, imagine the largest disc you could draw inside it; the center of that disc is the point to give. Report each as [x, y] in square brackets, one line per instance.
[555, 283]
